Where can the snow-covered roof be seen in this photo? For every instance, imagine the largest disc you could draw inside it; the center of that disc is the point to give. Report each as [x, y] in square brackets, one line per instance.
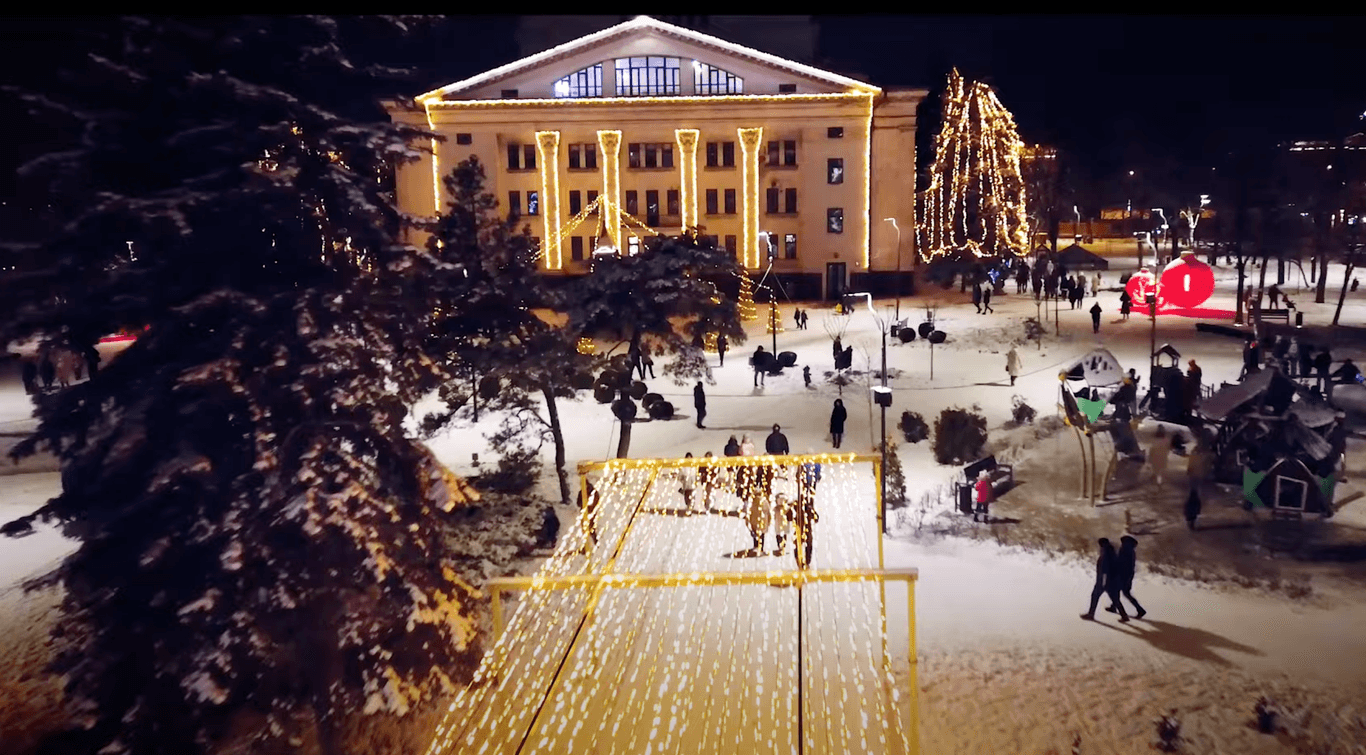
[1099, 369]
[1227, 399]
[639, 26]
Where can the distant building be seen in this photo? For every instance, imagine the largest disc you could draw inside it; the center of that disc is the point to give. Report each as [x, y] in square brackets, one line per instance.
[648, 127]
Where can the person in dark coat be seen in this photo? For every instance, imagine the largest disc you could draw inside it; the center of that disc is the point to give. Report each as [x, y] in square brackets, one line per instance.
[776, 443]
[1306, 360]
[1321, 364]
[732, 447]
[1122, 576]
[721, 344]
[986, 299]
[837, 417]
[647, 363]
[837, 348]
[1105, 564]
[1275, 293]
[1192, 390]
[1346, 374]
[699, 402]
[1126, 305]
[47, 371]
[30, 373]
[977, 297]
[758, 362]
[1192, 509]
[806, 375]
[1095, 317]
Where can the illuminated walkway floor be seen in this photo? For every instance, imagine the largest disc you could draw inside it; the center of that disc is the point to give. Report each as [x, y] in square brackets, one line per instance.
[693, 668]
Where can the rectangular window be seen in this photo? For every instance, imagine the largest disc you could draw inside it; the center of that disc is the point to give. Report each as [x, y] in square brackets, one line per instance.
[790, 246]
[789, 152]
[651, 156]
[652, 208]
[590, 156]
[772, 208]
[834, 220]
[834, 170]
[632, 203]
[730, 201]
[671, 198]
[576, 248]
[529, 157]
[633, 155]
[575, 202]
[575, 156]
[514, 203]
[790, 201]
[592, 196]
[707, 242]
[647, 76]
[712, 152]
[633, 246]
[834, 132]
[711, 202]
[773, 153]
[533, 203]
[464, 139]
[514, 156]
[666, 155]
[728, 154]
[731, 245]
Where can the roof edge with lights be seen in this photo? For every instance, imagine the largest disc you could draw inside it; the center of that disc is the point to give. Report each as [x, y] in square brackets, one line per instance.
[644, 23]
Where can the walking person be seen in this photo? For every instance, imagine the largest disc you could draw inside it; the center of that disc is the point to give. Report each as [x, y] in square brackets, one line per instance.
[1192, 508]
[977, 297]
[759, 362]
[646, 363]
[1159, 452]
[837, 417]
[1095, 286]
[1013, 364]
[1105, 565]
[806, 375]
[1122, 576]
[808, 475]
[708, 476]
[1095, 317]
[776, 443]
[759, 513]
[986, 300]
[1321, 364]
[1126, 305]
[806, 319]
[687, 483]
[721, 344]
[797, 318]
[699, 402]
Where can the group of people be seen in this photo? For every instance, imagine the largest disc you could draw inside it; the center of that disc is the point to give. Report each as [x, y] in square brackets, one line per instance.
[800, 316]
[58, 366]
[1115, 578]
[1074, 289]
[1298, 360]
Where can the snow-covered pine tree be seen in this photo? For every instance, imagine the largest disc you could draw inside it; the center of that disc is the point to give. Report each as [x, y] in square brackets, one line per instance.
[488, 297]
[260, 551]
[667, 293]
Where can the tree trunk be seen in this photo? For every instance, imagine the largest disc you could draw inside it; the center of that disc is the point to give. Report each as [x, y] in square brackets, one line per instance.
[1346, 278]
[624, 442]
[474, 393]
[557, 434]
[1321, 293]
[1280, 270]
[1242, 277]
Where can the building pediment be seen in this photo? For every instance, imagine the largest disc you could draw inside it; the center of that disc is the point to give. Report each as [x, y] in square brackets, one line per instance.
[667, 60]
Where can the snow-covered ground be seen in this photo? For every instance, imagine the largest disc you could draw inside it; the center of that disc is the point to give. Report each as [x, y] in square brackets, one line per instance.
[1005, 664]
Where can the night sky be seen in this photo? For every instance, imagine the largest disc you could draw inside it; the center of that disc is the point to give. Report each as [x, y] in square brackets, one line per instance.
[1112, 92]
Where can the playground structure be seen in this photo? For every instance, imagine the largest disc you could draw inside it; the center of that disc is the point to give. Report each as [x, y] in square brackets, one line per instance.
[657, 627]
[1102, 405]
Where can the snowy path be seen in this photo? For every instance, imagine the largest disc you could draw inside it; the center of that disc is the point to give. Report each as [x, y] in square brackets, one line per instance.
[694, 668]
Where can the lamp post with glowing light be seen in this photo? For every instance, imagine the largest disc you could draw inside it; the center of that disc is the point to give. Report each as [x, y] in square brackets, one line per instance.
[882, 395]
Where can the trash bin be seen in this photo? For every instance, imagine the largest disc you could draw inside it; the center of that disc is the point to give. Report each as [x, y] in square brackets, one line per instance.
[965, 498]
[1299, 319]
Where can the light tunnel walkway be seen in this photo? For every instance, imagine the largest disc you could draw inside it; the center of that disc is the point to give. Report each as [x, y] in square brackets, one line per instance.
[657, 629]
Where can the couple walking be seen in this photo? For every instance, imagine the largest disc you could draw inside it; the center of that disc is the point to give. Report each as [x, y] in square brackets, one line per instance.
[1115, 577]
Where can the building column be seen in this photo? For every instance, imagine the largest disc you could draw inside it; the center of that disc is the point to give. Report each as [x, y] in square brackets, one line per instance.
[750, 141]
[609, 147]
[687, 175]
[548, 149]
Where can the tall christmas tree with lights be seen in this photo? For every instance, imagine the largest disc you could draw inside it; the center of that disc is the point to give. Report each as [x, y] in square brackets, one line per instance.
[976, 199]
[746, 302]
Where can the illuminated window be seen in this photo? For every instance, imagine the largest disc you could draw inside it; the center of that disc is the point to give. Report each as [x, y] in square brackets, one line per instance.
[834, 220]
[533, 203]
[730, 201]
[575, 202]
[790, 246]
[671, 201]
[834, 170]
[711, 202]
[582, 83]
[576, 248]
[633, 246]
[711, 80]
[647, 77]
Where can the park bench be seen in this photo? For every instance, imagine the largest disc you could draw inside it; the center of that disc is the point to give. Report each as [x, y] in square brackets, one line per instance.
[1275, 314]
[1002, 478]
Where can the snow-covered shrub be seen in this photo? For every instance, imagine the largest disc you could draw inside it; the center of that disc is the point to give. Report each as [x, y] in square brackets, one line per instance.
[896, 478]
[914, 427]
[959, 435]
[1021, 412]
[516, 472]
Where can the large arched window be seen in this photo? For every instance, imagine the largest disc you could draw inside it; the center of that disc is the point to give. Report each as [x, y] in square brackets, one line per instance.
[712, 80]
[583, 83]
[647, 77]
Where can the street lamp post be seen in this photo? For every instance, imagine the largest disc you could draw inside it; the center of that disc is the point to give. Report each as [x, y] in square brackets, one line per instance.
[898, 266]
[883, 396]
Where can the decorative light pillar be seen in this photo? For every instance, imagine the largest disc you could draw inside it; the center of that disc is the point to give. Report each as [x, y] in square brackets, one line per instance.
[750, 139]
[687, 175]
[609, 145]
[548, 147]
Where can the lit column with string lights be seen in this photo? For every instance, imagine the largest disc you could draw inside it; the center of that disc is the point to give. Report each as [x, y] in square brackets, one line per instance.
[548, 149]
[609, 146]
[750, 138]
[687, 174]
[436, 159]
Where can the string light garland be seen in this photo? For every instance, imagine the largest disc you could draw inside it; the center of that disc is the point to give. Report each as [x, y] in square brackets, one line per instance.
[715, 100]
[687, 174]
[976, 198]
[586, 346]
[624, 641]
[750, 139]
[868, 186]
[745, 303]
[548, 152]
[775, 320]
[436, 160]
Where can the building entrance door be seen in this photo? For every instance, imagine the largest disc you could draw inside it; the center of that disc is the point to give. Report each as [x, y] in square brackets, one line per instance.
[834, 280]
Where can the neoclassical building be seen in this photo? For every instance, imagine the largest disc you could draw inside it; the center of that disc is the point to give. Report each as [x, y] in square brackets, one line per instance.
[647, 128]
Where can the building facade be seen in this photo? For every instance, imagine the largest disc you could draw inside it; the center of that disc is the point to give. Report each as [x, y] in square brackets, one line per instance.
[647, 128]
